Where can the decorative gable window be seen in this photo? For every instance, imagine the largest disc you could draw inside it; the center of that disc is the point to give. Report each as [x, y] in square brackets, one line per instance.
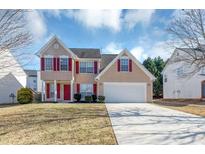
[203, 70]
[86, 67]
[124, 64]
[64, 64]
[180, 71]
[48, 64]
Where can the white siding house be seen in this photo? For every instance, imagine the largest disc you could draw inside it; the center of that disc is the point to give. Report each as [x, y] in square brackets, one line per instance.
[12, 77]
[31, 79]
[178, 82]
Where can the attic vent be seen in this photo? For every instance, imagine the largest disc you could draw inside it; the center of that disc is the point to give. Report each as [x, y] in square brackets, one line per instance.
[56, 46]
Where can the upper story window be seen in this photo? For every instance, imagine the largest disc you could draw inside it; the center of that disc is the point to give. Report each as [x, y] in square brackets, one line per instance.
[124, 64]
[179, 71]
[86, 67]
[64, 64]
[48, 64]
[203, 70]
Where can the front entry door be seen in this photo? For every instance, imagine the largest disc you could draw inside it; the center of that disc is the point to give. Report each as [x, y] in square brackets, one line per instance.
[66, 92]
[203, 89]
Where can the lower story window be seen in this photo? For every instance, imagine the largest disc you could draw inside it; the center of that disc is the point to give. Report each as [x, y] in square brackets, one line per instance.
[52, 93]
[86, 90]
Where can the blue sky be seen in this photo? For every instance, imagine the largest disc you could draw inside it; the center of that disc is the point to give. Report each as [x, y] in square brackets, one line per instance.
[142, 32]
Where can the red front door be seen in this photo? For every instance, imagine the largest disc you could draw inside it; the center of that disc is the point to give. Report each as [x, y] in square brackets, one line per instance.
[66, 92]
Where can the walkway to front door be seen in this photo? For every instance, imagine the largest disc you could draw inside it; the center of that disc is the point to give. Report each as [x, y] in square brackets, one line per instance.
[143, 123]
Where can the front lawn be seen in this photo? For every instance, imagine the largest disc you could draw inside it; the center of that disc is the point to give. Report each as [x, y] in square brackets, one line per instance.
[196, 107]
[55, 124]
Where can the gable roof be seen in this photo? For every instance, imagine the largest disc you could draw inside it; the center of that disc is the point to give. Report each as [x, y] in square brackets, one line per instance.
[55, 38]
[86, 52]
[106, 59]
[133, 59]
[185, 51]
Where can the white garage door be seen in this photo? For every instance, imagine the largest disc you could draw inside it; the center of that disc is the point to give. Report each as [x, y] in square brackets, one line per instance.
[125, 92]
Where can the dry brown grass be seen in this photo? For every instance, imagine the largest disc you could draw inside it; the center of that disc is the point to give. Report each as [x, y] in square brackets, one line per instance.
[55, 124]
[196, 107]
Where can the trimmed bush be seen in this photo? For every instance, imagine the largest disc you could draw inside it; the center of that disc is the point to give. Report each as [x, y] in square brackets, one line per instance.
[77, 97]
[37, 97]
[24, 96]
[101, 99]
[94, 98]
[88, 99]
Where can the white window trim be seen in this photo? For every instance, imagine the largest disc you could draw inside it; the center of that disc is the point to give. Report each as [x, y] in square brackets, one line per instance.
[86, 67]
[63, 56]
[48, 56]
[182, 71]
[86, 84]
[124, 57]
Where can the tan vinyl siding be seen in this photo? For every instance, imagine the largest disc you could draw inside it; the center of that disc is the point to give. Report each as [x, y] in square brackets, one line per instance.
[137, 75]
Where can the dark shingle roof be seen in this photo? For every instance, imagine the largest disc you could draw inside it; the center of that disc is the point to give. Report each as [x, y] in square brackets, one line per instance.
[31, 73]
[106, 59]
[86, 52]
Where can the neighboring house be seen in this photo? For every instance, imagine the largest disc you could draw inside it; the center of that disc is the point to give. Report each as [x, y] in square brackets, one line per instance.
[31, 79]
[12, 77]
[66, 71]
[179, 81]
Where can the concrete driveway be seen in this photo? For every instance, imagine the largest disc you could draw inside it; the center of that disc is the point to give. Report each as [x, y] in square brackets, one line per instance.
[143, 123]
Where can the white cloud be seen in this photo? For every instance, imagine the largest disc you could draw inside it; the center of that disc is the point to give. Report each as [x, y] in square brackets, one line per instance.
[133, 17]
[54, 12]
[139, 53]
[97, 18]
[113, 48]
[36, 24]
[161, 49]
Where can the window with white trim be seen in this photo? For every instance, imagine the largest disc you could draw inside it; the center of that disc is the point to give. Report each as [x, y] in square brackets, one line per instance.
[86, 67]
[64, 64]
[52, 92]
[124, 64]
[48, 64]
[180, 71]
[86, 90]
[203, 70]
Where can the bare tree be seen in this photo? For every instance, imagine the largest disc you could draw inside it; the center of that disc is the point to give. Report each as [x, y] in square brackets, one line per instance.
[14, 35]
[188, 35]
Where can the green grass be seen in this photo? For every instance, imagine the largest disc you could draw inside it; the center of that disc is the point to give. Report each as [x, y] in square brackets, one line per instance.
[55, 124]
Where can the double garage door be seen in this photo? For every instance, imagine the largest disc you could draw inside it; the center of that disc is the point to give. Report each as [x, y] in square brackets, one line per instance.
[125, 92]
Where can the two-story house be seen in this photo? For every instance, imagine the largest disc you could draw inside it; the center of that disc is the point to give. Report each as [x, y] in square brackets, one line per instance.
[66, 71]
[179, 78]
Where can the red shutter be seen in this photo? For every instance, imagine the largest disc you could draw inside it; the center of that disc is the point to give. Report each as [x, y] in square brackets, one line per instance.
[70, 64]
[78, 88]
[58, 64]
[77, 67]
[42, 64]
[118, 65]
[58, 90]
[54, 64]
[95, 67]
[130, 65]
[47, 90]
[95, 89]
